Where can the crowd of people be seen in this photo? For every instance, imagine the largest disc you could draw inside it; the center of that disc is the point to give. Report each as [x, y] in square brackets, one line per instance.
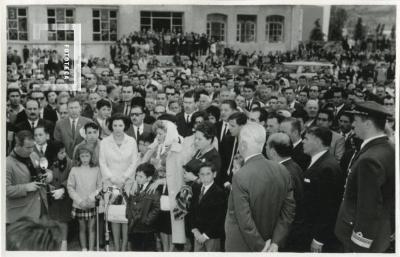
[201, 156]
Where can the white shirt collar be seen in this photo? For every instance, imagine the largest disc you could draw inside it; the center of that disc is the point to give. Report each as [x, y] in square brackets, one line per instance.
[44, 147]
[207, 187]
[144, 186]
[366, 141]
[315, 157]
[285, 160]
[339, 107]
[35, 123]
[250, 156]
[141, 126]
[296, 143]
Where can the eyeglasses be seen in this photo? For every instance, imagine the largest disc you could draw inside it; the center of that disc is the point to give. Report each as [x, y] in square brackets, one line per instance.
[388, 104]
[89, 78]
[322, 119]
[170, 93]
[136, 114]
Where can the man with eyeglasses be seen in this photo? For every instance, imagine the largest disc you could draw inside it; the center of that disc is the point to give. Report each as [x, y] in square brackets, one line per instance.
[388, 102]
[138, 128]
[91, 82]
[190, 101]
[314, 93]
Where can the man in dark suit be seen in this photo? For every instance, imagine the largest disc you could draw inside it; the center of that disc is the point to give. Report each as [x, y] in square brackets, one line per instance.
[207, 226]
[279, 148]
[339, 98]
[68, 130]
[183, 119]
[138, 127]
[323, 190]
[261, 204]
[43, 146]
[124, 106]
[46, 112]
[366, 219]
[291, 100]
[226, 142]
[249, 91]
[292, 127]
[32, 119]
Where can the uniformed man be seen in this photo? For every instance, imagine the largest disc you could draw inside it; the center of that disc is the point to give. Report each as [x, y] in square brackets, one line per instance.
[366, 218]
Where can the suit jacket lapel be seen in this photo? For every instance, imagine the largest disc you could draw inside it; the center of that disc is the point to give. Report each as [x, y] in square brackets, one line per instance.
[208, 192]
[323, 157]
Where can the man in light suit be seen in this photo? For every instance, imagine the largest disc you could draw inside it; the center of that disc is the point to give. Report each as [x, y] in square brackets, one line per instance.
[25, 198]
[261, 204]
[68, 130]
[337, 147]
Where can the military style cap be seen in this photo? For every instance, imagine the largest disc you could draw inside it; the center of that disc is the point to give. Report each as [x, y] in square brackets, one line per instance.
[370, 108]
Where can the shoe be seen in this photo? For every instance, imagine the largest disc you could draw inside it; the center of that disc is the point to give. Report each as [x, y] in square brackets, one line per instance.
[84, 249]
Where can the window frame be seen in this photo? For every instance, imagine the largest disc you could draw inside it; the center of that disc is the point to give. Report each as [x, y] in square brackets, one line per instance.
[173, 16]
[245, 28]
[223, 23]
[277, 23]
[17, 21]
[108, 21]
[54, 32]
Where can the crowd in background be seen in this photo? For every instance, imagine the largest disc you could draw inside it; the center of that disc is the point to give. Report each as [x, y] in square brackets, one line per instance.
[166, 134]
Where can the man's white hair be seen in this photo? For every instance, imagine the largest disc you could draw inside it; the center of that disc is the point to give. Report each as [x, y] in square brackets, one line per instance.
[254, 135]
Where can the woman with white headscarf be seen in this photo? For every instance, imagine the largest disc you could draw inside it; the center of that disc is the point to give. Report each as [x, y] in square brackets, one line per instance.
[165, 153]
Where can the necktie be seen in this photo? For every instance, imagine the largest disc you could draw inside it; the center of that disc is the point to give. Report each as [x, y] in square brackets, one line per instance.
[203, 188]
[73, 128]
[127, 110]
[336, 111]
[32, 125]
[224, 131]
[140, 188]
[187, 119]
[137, 133]
[41, 150]
[234, 152]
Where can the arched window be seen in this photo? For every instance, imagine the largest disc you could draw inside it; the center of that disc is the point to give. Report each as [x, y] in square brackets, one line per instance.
[216, 26]
[246, 28]
[274, 28]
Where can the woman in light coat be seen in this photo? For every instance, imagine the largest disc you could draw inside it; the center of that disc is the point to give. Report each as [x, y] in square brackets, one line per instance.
[168, 143]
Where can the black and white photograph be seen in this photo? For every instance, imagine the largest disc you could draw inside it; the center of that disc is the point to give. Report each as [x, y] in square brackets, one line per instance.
[215, 127]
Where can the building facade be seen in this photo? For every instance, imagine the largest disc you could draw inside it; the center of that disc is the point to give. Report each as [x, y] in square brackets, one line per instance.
[251, 28]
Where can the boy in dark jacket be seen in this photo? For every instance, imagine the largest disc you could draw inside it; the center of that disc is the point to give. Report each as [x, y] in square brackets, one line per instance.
[207, 211]
[142, 211]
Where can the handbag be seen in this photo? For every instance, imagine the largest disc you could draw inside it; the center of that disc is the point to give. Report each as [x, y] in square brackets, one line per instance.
[164, 201]
[117, 213]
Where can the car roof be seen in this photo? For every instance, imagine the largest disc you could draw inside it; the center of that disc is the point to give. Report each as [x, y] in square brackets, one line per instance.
[307, 63]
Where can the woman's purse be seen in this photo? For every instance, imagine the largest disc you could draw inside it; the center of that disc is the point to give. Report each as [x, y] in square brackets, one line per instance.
[164, 201]
[117, 212]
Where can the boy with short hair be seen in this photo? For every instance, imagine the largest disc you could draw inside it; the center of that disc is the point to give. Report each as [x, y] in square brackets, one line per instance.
[207, 211]
[142, 210]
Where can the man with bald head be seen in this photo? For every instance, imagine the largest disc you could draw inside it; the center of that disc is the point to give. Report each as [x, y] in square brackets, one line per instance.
[261, 204]
[279, 148]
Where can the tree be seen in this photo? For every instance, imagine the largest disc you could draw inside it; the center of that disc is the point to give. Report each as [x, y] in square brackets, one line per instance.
[316, 33]
[359, 31]
[336, 23]
[393, 32]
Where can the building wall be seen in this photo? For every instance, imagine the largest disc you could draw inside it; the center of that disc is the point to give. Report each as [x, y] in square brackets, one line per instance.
[298, 24]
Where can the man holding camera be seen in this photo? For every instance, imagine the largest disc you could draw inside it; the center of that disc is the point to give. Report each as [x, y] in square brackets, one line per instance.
[25, 181]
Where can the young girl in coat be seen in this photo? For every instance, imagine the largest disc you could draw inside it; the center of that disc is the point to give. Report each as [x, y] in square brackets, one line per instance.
[84, 181]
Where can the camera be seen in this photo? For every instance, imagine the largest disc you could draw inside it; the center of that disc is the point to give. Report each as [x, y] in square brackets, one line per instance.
[41, 175]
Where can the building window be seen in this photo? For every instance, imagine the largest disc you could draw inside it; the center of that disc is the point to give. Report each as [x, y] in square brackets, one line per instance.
[161, 21]
[104, 25]
[57, 16]
[17, 26]
[274, 28]
[246, 28]
[216, 26]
